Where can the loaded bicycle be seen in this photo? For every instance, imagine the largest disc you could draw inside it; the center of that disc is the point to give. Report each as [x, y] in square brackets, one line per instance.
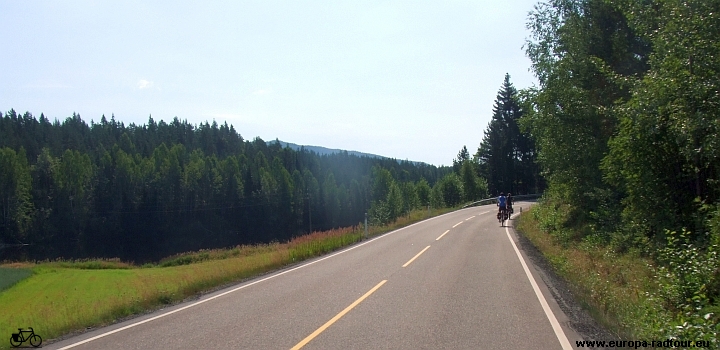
[25, 335]
[504, 216]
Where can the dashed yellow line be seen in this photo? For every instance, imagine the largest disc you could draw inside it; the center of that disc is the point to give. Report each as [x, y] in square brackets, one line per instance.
[415, 257]
[441, 236]
[337, 317]
[470, 218]
[456, 225]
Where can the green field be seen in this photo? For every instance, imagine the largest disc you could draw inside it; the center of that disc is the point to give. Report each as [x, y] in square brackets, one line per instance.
[10, 276]
[60, 297]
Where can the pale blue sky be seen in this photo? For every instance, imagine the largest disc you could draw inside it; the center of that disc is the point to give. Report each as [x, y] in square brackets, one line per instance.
[405, 79]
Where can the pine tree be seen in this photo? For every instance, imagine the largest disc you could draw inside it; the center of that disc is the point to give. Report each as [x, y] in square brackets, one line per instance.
[462, 156]
[506, 156]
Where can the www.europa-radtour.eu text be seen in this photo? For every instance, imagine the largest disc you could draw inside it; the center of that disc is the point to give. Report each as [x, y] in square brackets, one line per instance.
[637, 344]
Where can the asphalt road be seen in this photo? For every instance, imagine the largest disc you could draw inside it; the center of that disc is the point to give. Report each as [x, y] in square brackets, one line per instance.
[452, 282]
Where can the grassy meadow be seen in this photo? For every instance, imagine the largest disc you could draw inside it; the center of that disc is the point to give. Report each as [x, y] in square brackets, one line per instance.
[60, 297]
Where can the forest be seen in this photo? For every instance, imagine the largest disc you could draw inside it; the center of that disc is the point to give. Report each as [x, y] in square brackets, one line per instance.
[140, 193]
[73, 190]
[626, 120]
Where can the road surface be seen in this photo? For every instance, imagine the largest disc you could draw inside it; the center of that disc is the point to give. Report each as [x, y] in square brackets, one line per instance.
[456, 281]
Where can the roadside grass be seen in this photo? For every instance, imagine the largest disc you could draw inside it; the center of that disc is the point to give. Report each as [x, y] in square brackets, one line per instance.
[615, 288]
[10, 276]
[61, 297]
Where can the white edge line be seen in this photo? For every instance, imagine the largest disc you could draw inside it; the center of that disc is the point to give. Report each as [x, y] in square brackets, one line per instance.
[242, 287]
[562, 338]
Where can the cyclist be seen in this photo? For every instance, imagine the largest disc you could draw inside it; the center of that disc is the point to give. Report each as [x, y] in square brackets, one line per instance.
[501, 203]
[509, 203]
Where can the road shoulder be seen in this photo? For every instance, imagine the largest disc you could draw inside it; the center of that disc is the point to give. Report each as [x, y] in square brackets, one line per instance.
[575, 320]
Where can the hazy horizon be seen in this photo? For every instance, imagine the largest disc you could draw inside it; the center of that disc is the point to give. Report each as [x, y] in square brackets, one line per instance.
[403, 80]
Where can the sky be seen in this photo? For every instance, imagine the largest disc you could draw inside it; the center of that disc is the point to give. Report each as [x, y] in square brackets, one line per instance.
[411, 80]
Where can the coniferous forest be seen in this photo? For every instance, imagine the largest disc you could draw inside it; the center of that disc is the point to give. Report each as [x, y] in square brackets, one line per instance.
[141, 193]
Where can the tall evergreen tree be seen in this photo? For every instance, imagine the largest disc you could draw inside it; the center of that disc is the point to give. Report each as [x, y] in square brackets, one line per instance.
[506, 156]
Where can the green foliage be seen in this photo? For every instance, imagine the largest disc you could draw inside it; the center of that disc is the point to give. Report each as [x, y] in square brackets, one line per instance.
[382, 180]
[436, 196]
[665, 154]
[410, 198]
[686, 270]
[390, 208]
[145, 192]
[626, 123]
[16, 207]
[393, 199]
[450, 190]
[395, 202]
[462, 157]
[686, 273]
[422, 188]
[585, 55]
[506, 156]
[552, 218]
[379, 213]
[474, 187]
[184, 259]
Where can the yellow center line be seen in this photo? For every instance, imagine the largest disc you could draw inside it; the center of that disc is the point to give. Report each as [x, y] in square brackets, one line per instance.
[415, 257]
[457, 224]
[437, 239]
[337, 317]
[470, 218]
[485, 212]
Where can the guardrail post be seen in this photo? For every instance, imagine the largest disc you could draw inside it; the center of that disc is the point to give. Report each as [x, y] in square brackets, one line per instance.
[366, 228]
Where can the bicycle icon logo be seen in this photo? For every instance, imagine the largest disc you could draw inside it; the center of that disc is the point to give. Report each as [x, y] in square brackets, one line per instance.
[25, 335]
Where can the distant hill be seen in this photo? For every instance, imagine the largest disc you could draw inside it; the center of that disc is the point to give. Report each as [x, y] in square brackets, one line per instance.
[324, 150]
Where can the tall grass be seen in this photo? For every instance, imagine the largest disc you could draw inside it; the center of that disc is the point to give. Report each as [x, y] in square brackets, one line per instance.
[319, 243]
[616, 288]
[66, 296]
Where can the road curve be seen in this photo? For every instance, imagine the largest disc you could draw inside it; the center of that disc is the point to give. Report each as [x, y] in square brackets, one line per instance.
[456, 281]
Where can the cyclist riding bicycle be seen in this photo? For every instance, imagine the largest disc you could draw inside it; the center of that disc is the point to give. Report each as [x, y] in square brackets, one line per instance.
[501, 203]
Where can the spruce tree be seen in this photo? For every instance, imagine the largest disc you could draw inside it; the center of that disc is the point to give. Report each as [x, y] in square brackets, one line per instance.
[506, 156]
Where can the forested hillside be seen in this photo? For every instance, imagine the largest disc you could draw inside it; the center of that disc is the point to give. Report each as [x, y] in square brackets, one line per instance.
[626, 120]
[141, 193]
